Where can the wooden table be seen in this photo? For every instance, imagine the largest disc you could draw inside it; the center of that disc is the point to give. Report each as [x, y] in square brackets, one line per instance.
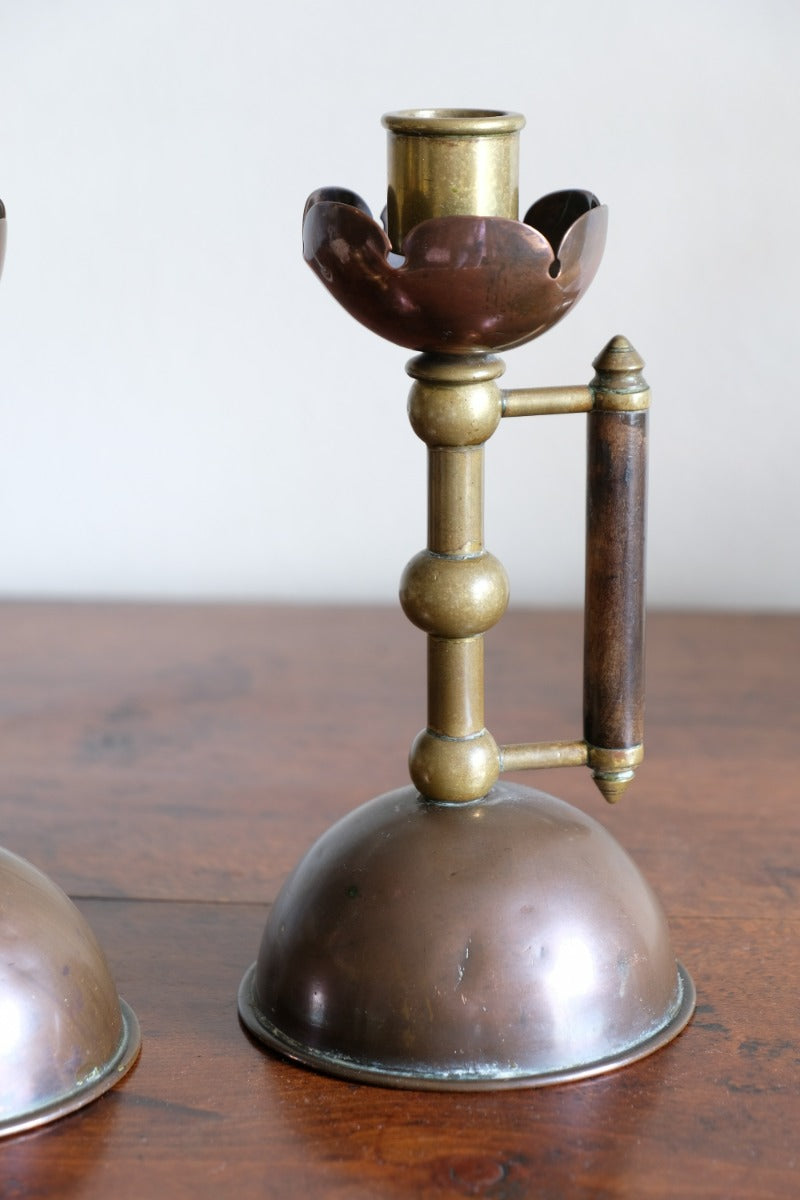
[168, 764]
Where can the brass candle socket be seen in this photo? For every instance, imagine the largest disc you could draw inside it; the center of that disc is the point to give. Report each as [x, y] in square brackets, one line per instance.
[450, 162]
[465, 932]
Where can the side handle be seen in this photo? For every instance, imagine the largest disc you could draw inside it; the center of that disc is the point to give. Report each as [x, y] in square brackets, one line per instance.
[613, 691]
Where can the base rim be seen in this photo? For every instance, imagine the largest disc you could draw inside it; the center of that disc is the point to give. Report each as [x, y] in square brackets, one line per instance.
[106, 1077]
[418, 1079]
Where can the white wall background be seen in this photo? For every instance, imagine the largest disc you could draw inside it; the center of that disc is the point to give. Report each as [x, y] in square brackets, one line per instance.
[185, 411]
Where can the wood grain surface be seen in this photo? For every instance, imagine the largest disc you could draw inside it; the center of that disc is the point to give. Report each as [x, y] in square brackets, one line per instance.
[168, 764]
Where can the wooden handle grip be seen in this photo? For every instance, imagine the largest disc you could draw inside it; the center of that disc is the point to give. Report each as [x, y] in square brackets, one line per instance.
[613, 696]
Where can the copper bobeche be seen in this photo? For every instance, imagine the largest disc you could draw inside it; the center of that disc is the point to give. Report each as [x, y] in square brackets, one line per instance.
[463, 284]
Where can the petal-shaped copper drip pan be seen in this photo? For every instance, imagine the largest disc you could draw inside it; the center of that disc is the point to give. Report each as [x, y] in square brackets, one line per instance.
[508, 942]
[466, 284]
[65, 1035]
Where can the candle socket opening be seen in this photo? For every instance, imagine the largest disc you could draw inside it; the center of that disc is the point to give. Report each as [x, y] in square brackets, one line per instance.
[446, 162]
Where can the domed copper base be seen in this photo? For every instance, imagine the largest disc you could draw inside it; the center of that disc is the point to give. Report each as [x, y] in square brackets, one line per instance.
[508, 942]
[65, 1035]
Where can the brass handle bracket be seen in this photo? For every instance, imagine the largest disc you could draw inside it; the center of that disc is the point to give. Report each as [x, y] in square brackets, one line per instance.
[539, 756]
[557, 401]
[546, 401]
[612, 769]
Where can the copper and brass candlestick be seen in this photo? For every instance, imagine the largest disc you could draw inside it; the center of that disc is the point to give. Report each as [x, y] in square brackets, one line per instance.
[466, 932]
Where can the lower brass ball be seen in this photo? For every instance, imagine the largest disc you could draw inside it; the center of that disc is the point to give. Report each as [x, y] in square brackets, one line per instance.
[454, 770]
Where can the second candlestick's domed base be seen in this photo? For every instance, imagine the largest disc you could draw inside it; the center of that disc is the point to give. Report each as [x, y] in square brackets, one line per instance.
[508, 942]
[65, 1035]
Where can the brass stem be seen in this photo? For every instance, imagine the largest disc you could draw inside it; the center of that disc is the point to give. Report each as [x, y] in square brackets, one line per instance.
[455, 590]
[455, 686]
[455, 500]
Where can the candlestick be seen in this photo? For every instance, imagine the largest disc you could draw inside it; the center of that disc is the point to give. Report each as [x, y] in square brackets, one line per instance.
[463, 931]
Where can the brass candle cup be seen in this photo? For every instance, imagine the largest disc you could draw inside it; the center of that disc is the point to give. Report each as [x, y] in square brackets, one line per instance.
[448, 162]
